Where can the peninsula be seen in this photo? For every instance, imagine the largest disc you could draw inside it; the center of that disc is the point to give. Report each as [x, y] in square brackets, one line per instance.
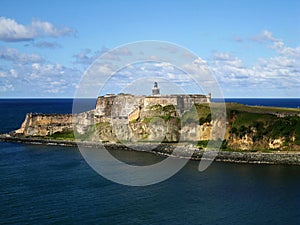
[253, 133]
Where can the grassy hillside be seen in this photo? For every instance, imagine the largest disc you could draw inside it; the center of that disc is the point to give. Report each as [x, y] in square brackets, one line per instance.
[264, 124]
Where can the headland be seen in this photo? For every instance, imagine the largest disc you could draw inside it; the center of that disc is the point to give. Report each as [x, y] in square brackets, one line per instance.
[253, 134]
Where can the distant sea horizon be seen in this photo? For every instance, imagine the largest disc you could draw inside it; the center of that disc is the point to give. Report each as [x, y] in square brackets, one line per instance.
[275, 102]
[293, 102]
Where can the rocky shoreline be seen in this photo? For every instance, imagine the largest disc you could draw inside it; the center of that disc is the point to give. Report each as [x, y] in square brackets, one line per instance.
[283, 158]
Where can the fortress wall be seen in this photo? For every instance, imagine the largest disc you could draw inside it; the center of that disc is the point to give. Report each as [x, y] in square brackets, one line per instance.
[104, 105]
[118, 105]
[200, 99]
[123, 104]
[160, 100]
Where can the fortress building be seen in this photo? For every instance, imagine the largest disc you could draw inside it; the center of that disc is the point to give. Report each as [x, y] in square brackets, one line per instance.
[124, 104]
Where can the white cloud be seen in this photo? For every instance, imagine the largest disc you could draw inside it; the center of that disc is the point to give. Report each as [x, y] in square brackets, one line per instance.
[40, 79]
[3, 74]
[6, 87]
[55, 83]
[277, 75]
[12, 31]
[168, 48]
[197, 69]
[86, 56]
[277, 44]
[53, 91]
[170, 78]
[121, 51]
[13, 55]
[13, 73]
[265, 35]
[46, 44]
[228, 67]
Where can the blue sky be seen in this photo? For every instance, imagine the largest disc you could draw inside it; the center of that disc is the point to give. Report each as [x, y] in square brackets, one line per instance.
[252, 47]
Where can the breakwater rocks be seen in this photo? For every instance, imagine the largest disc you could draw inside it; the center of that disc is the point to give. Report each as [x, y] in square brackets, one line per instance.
[34, 140]
[259, 158]
[285, 158]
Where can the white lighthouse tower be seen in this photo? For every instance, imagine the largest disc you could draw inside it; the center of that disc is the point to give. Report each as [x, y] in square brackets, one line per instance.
[155, 90]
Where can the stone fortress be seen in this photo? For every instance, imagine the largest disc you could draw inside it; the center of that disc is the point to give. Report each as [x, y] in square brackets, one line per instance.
[126, 114]
[121, 117]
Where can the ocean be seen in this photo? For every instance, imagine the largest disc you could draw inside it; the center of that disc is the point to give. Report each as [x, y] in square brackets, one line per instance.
[43, 184]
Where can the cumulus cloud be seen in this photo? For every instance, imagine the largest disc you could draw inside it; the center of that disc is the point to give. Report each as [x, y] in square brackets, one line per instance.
[13, 73]
[278, 75]
[3, 74]
[46, 78]
[280, 72]
[46, 70]
[138, 78]
[46, 44]
[115, 54]
[169, 49]
[28, 75]
[6, 87]
[198, 69]
[13, 55]
[276, 43]
[86, 56]
[265, 35]
[12, 31]
[238, 39]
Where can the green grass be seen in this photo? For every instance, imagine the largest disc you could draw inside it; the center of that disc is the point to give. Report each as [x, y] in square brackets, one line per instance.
[202, 144]
[102, 124]
[66, 135]
[247, 118]
[200, 113]
[147, 119]
[260, 109]
[169, 109]
[156, 107]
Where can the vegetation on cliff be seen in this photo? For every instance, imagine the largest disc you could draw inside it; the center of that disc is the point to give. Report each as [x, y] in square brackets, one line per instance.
[263, 127]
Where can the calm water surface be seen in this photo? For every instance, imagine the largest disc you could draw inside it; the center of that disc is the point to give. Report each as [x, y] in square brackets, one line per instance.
[50, 184]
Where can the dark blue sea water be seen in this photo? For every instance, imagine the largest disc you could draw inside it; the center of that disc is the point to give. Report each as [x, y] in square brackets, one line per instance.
[277, 102]
[54, 185]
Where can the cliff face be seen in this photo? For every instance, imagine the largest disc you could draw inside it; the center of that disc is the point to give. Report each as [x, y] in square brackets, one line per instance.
[45, 124]
[268, 129]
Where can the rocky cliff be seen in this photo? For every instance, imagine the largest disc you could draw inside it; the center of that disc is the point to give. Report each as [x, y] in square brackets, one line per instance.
[45, 124]
[247, 128]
